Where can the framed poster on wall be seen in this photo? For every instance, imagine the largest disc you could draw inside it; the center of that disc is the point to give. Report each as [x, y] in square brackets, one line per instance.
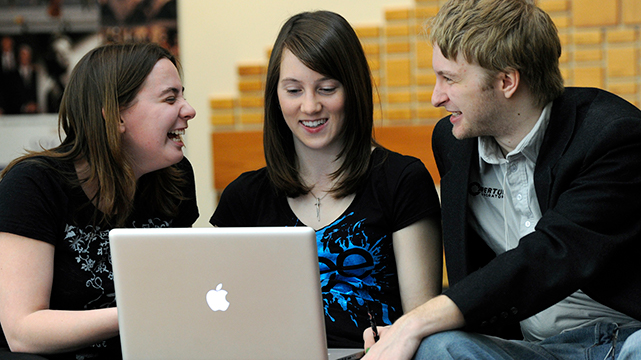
[40, 43]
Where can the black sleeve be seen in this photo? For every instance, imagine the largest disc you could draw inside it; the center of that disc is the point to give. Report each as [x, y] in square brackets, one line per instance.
[242, 199]
[33, 202]
[415, 196]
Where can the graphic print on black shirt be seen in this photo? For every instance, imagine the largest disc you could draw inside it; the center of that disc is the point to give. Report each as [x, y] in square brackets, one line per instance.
[89, 247]
[353, 271]
[90, 264]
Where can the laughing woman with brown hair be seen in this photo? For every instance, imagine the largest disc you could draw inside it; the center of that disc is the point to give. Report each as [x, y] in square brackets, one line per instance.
[120, 164]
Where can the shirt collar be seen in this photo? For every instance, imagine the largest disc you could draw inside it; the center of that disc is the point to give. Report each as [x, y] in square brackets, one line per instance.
[490, 152]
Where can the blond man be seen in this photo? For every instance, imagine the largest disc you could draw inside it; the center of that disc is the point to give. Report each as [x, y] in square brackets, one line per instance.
[541, 196]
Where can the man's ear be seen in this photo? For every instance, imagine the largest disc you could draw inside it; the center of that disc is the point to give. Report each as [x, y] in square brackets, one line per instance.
[510, 81]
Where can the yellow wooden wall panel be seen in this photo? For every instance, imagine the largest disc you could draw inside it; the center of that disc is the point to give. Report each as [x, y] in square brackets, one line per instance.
[429, 112]
[371, 49]
[251, 102]
[367, 31]
[397, 14]
[588, 55]
[564, 38]
[251, 117]
[631, 10]
[378, 114]
[426, 79]
[553, 5]
[234, 153]
[376, 80]
[398, 72]
[374, 63]
[626, 88]
[565, 73]
[591, 37]
[399, 113]
[399, 97]
[397, 30]
[421, 31]
[250, 85]
[622, 62]
[595, 12]
[252, 69]
[222, 118]
[424, 96]
[423, 12]
[397, 47]
[561, 21]
[621, 35]
[221, 103]
[588, 76]
[423, 54]
[410, 140]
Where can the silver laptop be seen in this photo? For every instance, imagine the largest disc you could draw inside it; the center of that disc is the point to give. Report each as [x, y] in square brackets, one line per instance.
[220, 293]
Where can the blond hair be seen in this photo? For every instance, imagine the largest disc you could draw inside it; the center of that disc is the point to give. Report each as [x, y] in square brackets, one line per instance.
[502, 35]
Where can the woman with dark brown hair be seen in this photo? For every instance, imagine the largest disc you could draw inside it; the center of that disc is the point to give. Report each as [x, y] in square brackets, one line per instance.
[376, 213]
[120, 164]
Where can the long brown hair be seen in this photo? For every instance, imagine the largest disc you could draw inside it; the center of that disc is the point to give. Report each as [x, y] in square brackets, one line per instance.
[103, 83]
[326, 43]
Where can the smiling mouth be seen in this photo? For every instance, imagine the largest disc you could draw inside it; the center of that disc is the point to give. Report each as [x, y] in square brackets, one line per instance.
[456, 113]
[313, 123]
[176, 135]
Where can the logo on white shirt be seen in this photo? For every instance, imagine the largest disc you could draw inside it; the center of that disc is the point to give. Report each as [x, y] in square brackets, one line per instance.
[476, 189]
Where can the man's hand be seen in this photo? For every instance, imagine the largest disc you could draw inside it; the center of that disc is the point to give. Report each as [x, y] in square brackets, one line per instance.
[401, 340]
[396, 343]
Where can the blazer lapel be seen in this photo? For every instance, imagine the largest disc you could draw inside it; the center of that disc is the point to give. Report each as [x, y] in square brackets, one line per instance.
[454, 202]
[556, 139]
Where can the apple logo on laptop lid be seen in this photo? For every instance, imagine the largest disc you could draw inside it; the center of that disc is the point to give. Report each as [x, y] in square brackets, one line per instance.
[216, 298]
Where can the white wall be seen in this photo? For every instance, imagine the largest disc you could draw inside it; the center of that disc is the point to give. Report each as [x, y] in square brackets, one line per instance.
[216, 35]
[26, 132]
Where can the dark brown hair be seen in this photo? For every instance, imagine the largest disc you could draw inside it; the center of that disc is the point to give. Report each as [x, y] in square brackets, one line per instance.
[103, 83]
[326, 43]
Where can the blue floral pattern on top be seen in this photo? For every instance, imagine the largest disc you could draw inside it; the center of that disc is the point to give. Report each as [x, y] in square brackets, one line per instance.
[350, 268]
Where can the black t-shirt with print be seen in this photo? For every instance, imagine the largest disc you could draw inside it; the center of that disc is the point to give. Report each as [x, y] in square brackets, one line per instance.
[36, 202]
[355, 252]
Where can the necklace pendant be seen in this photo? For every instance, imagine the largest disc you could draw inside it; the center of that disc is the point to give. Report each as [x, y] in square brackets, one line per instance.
[318, 204]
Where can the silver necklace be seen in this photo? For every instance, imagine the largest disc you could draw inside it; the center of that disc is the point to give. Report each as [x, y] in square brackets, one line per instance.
[318, 203]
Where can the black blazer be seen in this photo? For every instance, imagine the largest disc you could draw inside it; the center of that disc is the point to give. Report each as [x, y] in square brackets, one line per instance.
[588, 184]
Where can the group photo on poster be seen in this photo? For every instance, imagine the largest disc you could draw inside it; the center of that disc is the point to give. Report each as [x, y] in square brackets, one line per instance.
[41, 41]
